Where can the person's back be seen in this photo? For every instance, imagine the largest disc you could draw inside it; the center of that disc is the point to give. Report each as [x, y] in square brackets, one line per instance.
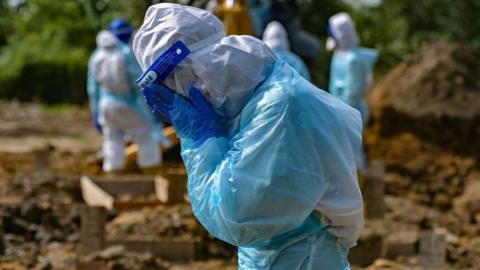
[276, 37]
[116, 107]
[269, 157]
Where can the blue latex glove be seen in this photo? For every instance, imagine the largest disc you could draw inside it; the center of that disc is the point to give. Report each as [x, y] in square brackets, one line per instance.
[193, 119]
[96, 124]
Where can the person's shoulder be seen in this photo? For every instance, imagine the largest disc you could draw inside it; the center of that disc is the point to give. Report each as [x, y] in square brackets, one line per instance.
[95, 56]
[279, 85]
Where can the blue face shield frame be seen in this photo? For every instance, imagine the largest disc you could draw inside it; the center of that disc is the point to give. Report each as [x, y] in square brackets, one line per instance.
[163, 65]
[168, 60]
[330, 33]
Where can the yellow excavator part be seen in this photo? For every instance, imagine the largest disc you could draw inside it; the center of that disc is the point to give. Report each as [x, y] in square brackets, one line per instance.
[235, 16]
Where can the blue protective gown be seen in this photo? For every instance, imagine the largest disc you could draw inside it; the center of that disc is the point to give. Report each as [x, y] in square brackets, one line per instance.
[294, 61]
[349, 76]
[289, 151]
[96, 91]
[133, 98]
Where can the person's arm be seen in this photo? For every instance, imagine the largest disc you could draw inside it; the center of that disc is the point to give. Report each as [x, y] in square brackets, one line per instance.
[93, 91]
[261, 183]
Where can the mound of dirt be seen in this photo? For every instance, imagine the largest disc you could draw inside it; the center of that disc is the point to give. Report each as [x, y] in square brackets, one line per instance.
[425, 128]
[436, 95]
[37, 211]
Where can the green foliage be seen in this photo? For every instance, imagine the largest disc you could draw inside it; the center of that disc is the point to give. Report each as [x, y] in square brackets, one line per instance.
[55, 109]
[45, 57]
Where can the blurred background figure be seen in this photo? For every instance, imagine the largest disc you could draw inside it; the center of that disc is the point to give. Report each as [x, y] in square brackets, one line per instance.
[261, 13]
[124, 32]
[251, 17]
[302, 43]
[276, 37]
[235, 16]
[116, 107]
[121, 29]
[351, 67]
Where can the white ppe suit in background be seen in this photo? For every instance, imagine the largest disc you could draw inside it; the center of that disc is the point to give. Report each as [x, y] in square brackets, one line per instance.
[351, 68]
[281, 185]
[114, 100]
[276, 38]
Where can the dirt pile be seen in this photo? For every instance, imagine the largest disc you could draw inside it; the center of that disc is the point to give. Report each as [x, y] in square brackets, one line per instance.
[425, 127]
[37, 215]
[436, 95]
[426, 124]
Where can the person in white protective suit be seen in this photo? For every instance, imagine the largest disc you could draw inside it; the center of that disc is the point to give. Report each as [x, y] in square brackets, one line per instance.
[276, 37]
[269, 157]
[117, 109]
[351, 68]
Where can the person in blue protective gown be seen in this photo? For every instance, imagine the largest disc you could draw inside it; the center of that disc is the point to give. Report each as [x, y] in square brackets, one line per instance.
[116, 106]
[124, 32]
[269, 157]
[276, 37]
[351, 67]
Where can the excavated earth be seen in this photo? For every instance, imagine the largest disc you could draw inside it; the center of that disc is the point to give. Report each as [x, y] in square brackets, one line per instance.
[425, 127]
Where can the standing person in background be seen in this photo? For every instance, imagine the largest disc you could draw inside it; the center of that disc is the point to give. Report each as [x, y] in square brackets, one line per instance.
[269, 157]
[351, 68]
[122, 30]
[302, 43]
[116, 107]
[124, 33]
[276, 37]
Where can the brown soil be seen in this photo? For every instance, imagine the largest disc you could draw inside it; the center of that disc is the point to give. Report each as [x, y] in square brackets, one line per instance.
[42, 157]
[435, 95]
[425, 127]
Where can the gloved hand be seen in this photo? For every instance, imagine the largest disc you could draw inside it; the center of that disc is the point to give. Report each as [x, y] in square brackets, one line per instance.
[96, 124]
[193, 119]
